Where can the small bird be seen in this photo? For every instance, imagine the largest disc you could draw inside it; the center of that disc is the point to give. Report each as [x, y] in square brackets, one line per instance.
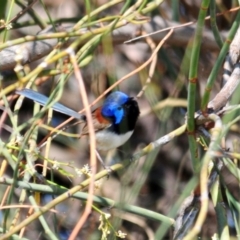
[113, 122]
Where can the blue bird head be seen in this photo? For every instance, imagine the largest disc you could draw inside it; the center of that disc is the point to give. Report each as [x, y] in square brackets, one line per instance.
[113, 106]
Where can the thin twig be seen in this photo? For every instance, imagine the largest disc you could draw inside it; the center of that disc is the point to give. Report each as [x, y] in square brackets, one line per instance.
[92, 138]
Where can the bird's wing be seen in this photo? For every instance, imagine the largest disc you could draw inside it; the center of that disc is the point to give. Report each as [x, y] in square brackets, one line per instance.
[99, 122]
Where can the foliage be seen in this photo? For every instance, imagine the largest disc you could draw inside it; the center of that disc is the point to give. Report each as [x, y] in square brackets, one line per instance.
[178, 177]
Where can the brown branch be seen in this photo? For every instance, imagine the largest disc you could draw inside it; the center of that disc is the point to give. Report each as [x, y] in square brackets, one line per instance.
[232, 58]
[31, 51]
[20, 14]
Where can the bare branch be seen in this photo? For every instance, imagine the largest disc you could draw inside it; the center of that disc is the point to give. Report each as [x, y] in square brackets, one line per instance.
[31, 51]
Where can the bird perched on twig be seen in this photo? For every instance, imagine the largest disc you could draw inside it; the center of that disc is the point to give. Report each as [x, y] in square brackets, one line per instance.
[113, 122]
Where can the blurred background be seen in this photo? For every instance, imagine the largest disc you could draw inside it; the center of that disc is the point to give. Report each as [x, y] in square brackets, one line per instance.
[156, 180]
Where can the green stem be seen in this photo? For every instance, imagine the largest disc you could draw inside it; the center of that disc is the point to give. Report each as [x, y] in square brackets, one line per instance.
[218, 64]
[193, 78]
[214, 24]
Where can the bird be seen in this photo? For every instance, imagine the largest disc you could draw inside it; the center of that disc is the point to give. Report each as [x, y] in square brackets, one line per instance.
[113, 122]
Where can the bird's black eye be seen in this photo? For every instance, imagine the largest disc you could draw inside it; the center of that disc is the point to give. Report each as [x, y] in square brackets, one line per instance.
[119, 108]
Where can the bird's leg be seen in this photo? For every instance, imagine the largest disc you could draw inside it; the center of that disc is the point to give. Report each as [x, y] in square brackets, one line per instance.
[101, 161]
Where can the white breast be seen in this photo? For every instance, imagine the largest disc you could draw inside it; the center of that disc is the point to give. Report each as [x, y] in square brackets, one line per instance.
[106, 140]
